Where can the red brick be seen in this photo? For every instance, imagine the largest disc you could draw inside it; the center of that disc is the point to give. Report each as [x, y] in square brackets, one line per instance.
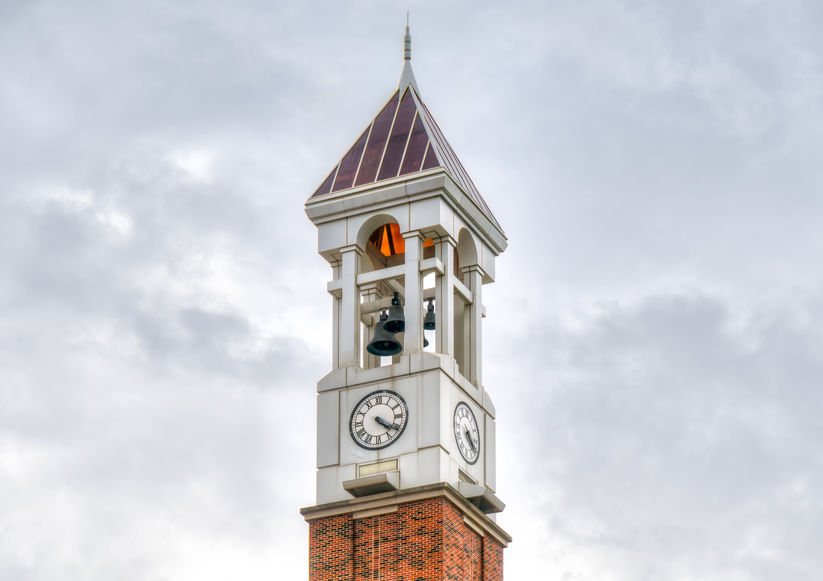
[425, 540]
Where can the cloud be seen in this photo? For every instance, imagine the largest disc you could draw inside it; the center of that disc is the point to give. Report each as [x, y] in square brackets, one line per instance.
[674, 436]
[165, 317]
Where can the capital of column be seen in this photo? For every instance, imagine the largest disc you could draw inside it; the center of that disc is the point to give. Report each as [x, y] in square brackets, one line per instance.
[446, 239]
[412, 234]
[351, 248]
[473, 268]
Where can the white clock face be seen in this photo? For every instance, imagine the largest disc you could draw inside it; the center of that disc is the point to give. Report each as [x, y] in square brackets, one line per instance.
[466, 433]
[378, 419]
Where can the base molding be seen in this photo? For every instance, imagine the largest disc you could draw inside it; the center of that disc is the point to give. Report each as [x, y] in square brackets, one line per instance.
[393, 498]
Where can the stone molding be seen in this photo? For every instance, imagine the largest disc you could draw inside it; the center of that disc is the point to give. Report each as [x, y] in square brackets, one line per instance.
[373, 504]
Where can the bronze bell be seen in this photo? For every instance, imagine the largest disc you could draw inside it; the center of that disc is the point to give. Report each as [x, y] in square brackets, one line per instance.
[384, 343]
[428, 320]
[396, 322]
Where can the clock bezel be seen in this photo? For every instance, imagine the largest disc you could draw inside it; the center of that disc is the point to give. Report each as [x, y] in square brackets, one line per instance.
[357, 406]
[476, 425]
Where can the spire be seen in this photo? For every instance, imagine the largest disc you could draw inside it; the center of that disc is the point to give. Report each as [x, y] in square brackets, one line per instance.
[407, 40]
[401, 140]
[407, 76]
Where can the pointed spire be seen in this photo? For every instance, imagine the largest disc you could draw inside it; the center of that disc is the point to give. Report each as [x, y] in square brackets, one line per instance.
[407, 40]
[403, 139]
[407, 76]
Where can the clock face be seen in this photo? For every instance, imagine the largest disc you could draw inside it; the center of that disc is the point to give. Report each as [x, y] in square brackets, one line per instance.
[466, 433]
[378, 419]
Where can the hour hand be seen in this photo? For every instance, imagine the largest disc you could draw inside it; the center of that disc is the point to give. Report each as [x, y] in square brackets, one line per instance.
[386, 424]
[471, 439]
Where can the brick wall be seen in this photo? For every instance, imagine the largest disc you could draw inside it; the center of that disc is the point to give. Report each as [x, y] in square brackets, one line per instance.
[330, 548]
[425, 540]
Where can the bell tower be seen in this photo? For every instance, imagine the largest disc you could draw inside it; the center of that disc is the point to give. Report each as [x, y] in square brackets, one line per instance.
[406, 484]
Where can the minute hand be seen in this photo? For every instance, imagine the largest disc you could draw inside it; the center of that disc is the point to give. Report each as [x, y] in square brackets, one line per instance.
[386, 424]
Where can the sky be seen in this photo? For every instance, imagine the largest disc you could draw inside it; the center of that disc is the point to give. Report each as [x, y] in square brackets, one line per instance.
[653, 344]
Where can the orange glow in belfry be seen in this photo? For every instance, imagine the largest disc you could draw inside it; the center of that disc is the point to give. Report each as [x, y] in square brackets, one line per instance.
[389, 242]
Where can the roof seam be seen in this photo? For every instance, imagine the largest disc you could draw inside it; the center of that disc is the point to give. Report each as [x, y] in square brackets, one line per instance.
[363, 153]
[406, 146]
[388, 135]
[368, 141]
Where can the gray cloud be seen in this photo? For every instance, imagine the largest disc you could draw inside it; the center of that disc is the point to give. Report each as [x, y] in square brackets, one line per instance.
[164, 317]
[676, 438]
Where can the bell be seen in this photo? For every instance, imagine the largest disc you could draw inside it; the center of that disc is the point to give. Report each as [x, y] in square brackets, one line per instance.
[384, 343]
[428, 320]
[396, 323]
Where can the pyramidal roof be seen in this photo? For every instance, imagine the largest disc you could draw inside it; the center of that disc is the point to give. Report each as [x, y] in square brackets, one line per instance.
[402, 139]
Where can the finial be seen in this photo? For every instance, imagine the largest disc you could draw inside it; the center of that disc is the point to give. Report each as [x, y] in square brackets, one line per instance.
[407, 76]
[407, 40]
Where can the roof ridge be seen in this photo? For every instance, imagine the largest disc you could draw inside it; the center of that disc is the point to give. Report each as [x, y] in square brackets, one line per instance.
[449, 155]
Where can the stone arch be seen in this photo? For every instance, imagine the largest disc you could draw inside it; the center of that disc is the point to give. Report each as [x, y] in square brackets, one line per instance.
[383, 228]
[466, 250]
[372, 224]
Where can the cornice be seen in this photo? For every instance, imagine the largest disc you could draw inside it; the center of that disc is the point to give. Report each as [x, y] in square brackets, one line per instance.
[388, 193]
[384, 502]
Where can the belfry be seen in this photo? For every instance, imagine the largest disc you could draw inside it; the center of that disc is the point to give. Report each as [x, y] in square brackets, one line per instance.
[406, 485]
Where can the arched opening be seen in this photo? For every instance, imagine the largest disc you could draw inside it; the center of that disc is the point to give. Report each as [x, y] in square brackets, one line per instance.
[385, 249]
[465, 331]
[465, 252]
[385, 246]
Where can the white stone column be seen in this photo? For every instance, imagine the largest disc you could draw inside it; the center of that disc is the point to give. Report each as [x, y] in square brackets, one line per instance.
[348, 334]
[335, 317]
[473, 277]
[369, 293]
[444, 297]
[413, 308]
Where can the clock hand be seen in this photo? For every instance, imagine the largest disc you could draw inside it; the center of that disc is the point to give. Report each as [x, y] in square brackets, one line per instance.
[386, 424]
[470, 438]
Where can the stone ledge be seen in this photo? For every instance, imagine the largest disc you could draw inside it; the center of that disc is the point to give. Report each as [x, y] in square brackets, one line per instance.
[471, 513]
[409, 364]
[482, 497]
[373, 484]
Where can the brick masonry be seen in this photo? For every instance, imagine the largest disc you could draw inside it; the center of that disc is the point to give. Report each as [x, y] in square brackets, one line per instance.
[423, 540]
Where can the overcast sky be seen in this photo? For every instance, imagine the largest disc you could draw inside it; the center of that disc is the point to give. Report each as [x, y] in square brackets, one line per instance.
[654, 339]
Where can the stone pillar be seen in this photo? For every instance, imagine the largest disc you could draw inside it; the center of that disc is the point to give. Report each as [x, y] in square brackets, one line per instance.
[348, 333]
[444, 297]
[413, 310]
[369, 293]
[473, 277]
[335, 316]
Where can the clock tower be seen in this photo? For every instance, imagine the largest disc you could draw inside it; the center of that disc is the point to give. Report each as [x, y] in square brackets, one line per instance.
[406, 485]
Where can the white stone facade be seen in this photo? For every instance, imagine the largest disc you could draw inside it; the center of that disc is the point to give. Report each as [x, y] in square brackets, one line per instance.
[425, 206]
